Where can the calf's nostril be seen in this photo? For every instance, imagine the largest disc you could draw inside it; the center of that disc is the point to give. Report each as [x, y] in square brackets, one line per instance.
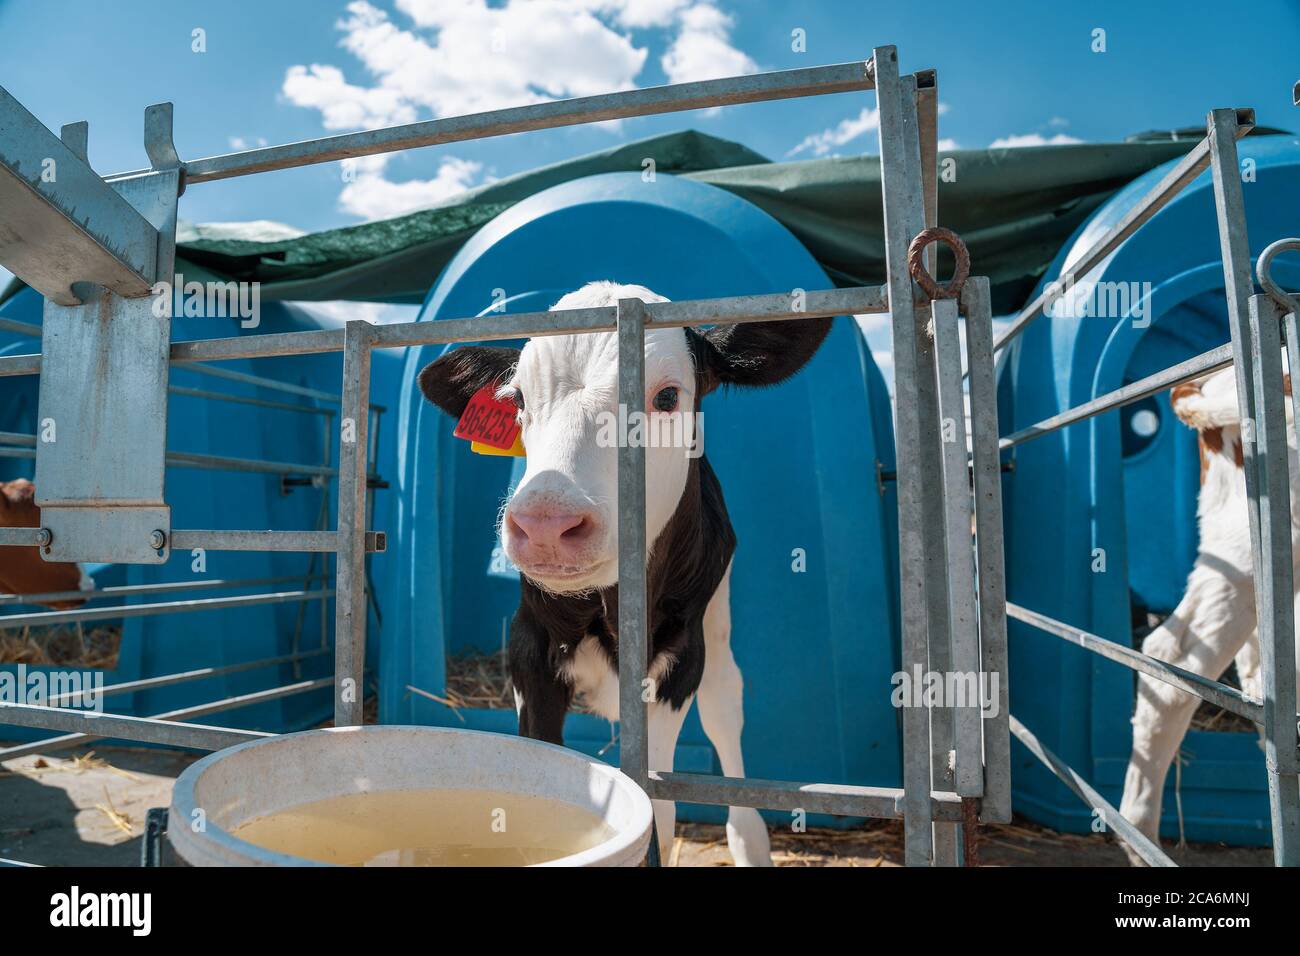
[580, 531]
[567, 529]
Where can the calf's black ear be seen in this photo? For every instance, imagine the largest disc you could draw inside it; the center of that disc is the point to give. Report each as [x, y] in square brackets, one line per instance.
[453, 379]
[756, 353]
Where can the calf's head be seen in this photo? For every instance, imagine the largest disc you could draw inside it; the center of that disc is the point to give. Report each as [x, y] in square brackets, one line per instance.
[22, 570]
[560, 526]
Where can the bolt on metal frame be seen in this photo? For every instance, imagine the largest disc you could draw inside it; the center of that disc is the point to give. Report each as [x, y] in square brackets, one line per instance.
[1258, 324]
[956, 764]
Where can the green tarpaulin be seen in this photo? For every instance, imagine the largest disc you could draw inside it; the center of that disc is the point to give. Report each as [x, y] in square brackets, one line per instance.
[1013, 207]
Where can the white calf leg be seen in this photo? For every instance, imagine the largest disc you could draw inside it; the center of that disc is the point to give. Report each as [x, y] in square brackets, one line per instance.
[1214, 619]
[664, 724]
[722, 714]
[1248, 674]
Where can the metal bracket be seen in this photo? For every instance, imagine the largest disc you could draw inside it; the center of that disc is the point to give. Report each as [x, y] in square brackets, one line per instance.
[159, 144]
[101, 440]
[76, 136]
[62, 223]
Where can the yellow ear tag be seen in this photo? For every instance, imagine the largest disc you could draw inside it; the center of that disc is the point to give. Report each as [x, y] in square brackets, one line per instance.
[516, 450]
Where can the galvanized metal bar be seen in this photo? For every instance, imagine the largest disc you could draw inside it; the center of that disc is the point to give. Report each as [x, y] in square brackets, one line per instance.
[927, 124]
[63, 224]
[634, 691]
[1206, 688]
[260, 381]
[1156, 198]
[143, 729]
[266, 540]
[900, 161]
[1195, 367]
[938, 585]
[12, 365]
[72, 699]
[127, 590]
[1274, 580]
[728, 310]
[880, 803]
[267, 345]
[20, 328]
[209, 395]
[184, 459]
[987, 479]
[754, 88]
[52, 744]
[1126, 831]
[24, 537]
[968, 776]
[1264, 461]
[350, 574]
[181, 459]
[9, 622]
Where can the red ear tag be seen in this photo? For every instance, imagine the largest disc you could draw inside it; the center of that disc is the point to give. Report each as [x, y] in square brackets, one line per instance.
[488, 420]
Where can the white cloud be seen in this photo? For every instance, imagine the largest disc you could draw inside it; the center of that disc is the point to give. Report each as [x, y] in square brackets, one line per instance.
[343, 105]
[1032, 139]
[642, 13]
[468, 57]
[371, 195]
[843, 132]
[847, 130]
[463, 56]
[241, 142]
[703, 50]
[946, 145]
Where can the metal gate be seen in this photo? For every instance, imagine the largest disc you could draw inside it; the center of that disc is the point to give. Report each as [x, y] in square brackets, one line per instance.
[1257, 323]
[98, 246]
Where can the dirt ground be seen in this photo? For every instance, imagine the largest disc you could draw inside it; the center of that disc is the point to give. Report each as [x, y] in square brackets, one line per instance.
[87, 807]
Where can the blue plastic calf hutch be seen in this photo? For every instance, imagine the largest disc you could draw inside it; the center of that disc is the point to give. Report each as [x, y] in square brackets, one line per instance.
[798, 465]
[1122, 488]
[221, 499]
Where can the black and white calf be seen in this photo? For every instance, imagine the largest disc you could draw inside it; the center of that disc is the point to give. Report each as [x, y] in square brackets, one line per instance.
[560, 528]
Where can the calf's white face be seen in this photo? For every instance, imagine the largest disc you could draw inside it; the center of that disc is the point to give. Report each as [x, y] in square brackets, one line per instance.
[560, 527]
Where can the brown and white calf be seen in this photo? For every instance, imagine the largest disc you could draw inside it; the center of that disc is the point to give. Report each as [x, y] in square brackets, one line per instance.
[560, 527]
[1215, 621]
[22, 571]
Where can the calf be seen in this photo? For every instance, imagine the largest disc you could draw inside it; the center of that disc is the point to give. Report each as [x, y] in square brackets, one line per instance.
[21, 569]
[560, 527]
[1215, 621]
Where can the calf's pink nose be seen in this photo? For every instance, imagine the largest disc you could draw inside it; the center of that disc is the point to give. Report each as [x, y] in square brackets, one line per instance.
[559, 530]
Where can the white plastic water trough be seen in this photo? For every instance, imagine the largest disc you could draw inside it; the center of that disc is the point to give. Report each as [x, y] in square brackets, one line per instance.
[231, 787]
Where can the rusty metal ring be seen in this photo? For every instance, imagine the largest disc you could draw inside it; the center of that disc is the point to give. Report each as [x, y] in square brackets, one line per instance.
[916, 262]
[1263, 269]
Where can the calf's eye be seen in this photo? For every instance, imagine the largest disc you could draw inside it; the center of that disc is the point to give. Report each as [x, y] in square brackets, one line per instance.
[666, 400]
[518, 398]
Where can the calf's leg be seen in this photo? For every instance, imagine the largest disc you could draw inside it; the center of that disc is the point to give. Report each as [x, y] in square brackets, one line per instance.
[663, 724]
[721, 699]
[1214, 619]
[542, 698]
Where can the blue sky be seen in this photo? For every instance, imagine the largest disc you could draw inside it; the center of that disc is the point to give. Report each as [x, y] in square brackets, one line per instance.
[282, 70]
